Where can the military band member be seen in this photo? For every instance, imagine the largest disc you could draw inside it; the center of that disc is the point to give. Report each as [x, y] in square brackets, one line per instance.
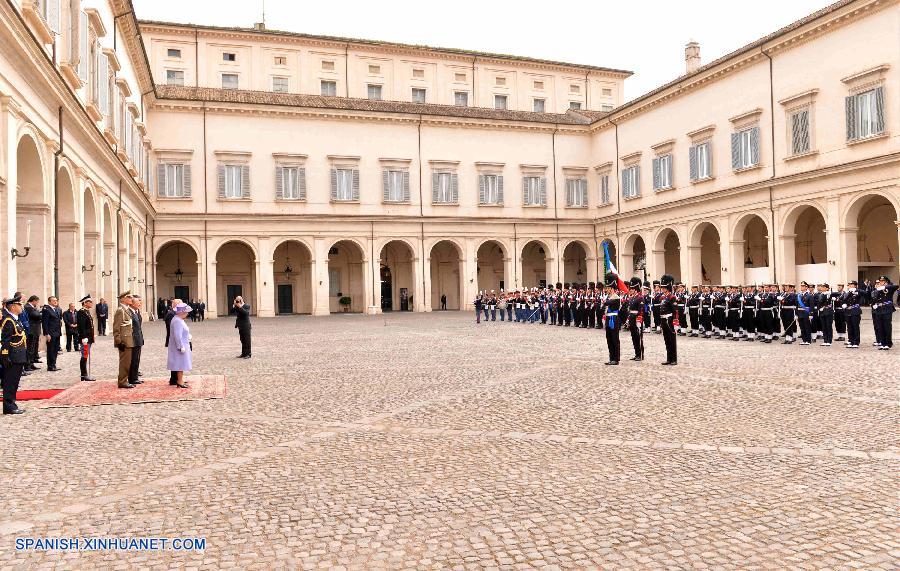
[825, 311]
[749, 305]
[681, 306]
[510, 305]
[636, 318]
[706, 311]
[734, 302]
[84, 323]
[840, 320]
[611, 307]
[853, 313]
[693, 309]
[669, 318]
[804, 313]
[719, 312]
[477, 304]
[13, 352]
[787, 308]
[882, 312]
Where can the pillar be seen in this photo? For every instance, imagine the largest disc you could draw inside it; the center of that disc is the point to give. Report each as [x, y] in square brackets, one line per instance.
[426, 282]
[833, 245]
[265, 284]
[592, 276]
[694, 264]
[320, 278]
[418, 283]
[848, 260]
[736, 261]
[212, 304]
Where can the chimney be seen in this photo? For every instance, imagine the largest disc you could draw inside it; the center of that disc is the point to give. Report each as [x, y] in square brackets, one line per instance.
[259, 26]
[691, 57]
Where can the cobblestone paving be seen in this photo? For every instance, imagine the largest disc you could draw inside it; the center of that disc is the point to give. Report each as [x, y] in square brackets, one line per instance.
[424, 441]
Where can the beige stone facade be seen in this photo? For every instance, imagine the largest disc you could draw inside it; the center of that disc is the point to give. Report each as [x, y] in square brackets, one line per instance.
[771, 164]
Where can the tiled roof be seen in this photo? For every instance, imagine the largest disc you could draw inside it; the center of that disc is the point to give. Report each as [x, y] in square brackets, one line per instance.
[359, 41]
[209, 94]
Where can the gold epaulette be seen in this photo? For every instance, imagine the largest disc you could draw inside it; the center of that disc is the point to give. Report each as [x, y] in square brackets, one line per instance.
[21, 335]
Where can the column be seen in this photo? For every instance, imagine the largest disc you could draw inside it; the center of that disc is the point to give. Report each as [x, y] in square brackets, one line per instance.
[212, 304]
[426, 283]
[320, 278]
[468, 274]
[736, 262]
[848, 262]
[266, 272]
[419, 290]
[725, 253]
[656, 263]
[787, 266]
[833, 239]
[694, 265]
[591, 263]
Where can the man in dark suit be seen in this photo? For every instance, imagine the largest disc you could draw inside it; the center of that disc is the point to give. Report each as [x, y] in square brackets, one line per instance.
[136, 326]
[33, 310]
[51, 321]
[102, 310]
[84, 327]
[71, 327]
[170, 313]
[242, 324]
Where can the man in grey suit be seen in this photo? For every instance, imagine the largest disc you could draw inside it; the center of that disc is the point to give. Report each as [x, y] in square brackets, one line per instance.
[137, 323]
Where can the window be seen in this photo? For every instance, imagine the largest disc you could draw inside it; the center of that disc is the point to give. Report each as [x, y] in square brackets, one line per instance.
[173, 180]
[576, 192]
[631, 179]
[329, 88]
[444, 188]
[539, 85]
[745, 148]
[174, 77]
[461, 98]
[662, 172]
[700, 159]
[280, 60]
[334, 282]
[534, 191]
[800, 140]
[290, 183]
[574, 104]
[500, 81]
[460, 77]
[418, 73]
[574, 88]
[173, 53]
[418, 95]
[604, 189]
[499, 102]
[229, 81]
[606, 92]
[606, 108]
[395, 185]
[344, 184]
[229, 56]
[280, 84]
[327, 65]
[374, 69]
[539, 105]
[490, 189]
[865, 114]
[234, 181]
[374, 92]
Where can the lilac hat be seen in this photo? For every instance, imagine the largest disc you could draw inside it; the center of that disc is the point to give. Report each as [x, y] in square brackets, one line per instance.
[183, 308]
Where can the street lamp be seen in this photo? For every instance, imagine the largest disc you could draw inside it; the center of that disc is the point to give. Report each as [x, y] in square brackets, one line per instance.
[15, 251]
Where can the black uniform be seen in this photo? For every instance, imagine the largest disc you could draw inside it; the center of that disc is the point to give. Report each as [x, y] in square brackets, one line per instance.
[13, 356]
[693, 310]
[853, 313]
[805, 304]
[85, 329]
[826, 316]
[33, 335]
[882, 314]
[102, 311]
[636, 324]
[748, 314]
[840, 316]
[668, 317]
[611, 308]
[242, 324]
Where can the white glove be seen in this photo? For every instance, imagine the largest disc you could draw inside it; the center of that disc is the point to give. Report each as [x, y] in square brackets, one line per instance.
[844, 306]
[84, 341]
[182, 350]
[190, 337]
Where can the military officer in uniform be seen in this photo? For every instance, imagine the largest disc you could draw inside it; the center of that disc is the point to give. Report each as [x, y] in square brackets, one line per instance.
[123, 338]
[668, 318]
[840, 321]
[636, 318]
[826, 314]
[882, 312]
[13, 352]
[611, 307]
[853, 313]
[84, 324]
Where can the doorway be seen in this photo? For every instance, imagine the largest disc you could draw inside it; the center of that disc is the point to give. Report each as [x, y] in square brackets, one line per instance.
[285, 299]
[182, 292]
[387, 289]
[231, 292]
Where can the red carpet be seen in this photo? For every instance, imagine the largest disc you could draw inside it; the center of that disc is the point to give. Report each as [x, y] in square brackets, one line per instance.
[37, 395]
[153, 390]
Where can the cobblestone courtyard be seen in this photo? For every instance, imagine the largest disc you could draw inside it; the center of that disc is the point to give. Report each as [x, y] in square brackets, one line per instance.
[423, 441]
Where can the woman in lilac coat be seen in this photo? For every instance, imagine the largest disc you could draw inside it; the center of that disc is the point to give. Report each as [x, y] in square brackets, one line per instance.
[179, 356]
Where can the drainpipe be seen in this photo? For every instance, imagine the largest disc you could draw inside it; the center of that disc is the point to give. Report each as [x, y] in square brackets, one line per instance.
[56, 156]
[205, 212]
[119, 238]
[474, 93]
[772, 145]
[347, 69]
[421, 212]
[587, 90]
[553, 138]
[618, 191]
[372, 250]
[197, 58]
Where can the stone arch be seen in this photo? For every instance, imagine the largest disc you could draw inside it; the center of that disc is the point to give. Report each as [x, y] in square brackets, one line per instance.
[613, 261]
[293, 273]
[355, 241]
[33, 223]
[306, 244]
[108, 256]
[490, 265]
[398, 273]
[706, 238]
[69, 236]
[751, 248]
[236, 274]
[346, 276]
[177, 271]
[535, 259]
[91, 248]
[667, 253]
[871, 226]
[634, 257]
[575, 263]
[805, 244]
[447, 271]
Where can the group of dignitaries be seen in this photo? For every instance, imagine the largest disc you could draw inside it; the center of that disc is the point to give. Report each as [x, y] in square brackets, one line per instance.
[765, 313]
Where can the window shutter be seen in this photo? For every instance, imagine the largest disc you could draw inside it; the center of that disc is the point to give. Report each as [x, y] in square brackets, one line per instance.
[405, 189]
[435, 187]
[355, 184]
[73, 24]
[83, 45]
[543, 190]
[754, 146]
[626, 185]
[669, 165]
[220, 172]
[102, 88]
[525, 196]
[709, 158]
[53, 15]
[499, 189]
[570, 200]
[692, 162]
[187, 181]
[879, 109]
[454, 188]
[301, 184]
[386, 185]
[850, 104]
[637, 180]
[656, 174]
[279, 183]
[584, 192]
[161, 179]
[735, 151]
[245, 181]
[481, 182]
[333, 184]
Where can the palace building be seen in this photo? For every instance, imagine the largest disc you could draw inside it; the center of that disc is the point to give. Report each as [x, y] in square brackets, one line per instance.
[317, 174]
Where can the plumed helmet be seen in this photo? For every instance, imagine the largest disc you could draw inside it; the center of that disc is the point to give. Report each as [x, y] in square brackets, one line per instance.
[610, 279]
[635, 283]
[667, 280]
[559, 285]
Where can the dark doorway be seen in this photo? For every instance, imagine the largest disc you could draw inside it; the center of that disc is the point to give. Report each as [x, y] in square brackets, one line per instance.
[182, 292]
[285, 299]
[387, 289]
[231, 292]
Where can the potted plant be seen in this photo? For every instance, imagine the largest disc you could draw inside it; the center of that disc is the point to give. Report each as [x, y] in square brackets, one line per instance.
[345, 302]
